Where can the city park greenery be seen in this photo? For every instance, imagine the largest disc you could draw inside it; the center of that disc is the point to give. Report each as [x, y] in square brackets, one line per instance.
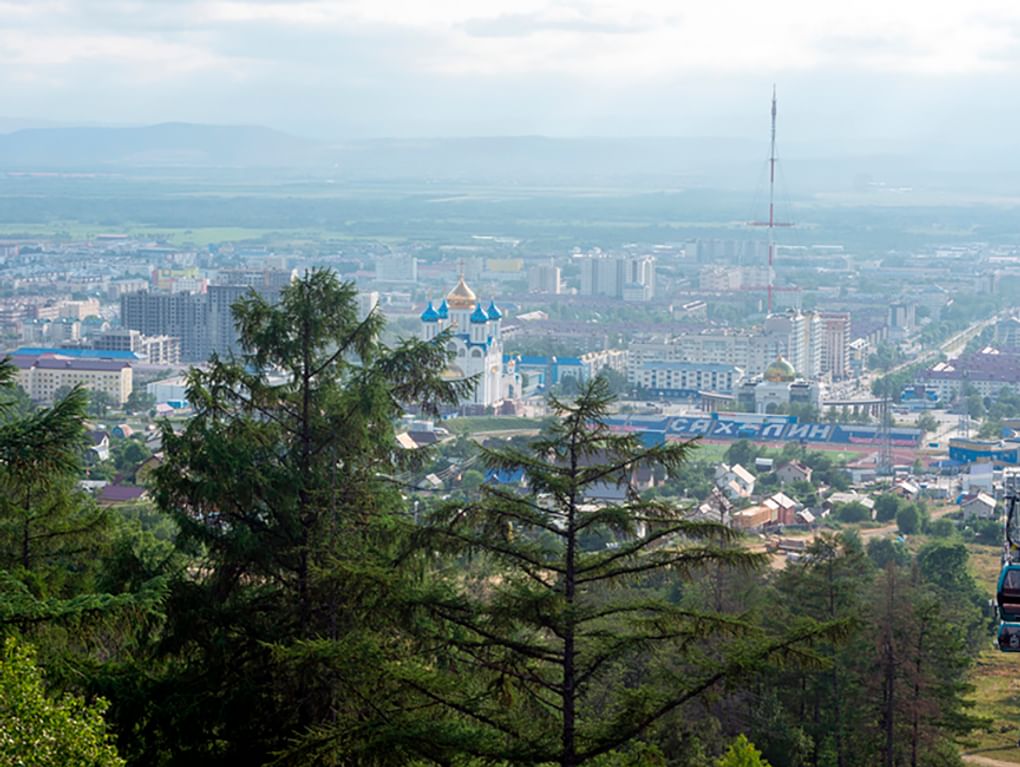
[285, 602]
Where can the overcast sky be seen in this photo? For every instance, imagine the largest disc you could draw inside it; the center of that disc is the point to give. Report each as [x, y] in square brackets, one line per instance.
[886, 70]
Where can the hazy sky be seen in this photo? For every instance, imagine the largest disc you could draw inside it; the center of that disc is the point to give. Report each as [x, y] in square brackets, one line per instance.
[879, 69]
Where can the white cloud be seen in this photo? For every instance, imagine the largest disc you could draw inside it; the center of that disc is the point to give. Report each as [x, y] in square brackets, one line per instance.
[530, 65]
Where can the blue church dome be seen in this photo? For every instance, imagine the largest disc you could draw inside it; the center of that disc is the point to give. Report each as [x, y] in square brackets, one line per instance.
[493, 311]
[430, 314]
[479, 315]
[444, 311]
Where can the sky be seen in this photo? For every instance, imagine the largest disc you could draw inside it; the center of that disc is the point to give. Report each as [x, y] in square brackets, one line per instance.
[883, 72]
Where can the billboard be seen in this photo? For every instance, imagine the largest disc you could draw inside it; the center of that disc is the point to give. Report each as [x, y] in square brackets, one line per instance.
[758, 428]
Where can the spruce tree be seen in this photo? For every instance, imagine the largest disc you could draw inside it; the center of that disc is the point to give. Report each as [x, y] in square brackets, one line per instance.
[51, 534]
[280, 487]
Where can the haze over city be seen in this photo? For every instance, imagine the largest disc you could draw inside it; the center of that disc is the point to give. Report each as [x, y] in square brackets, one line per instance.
[552, 383]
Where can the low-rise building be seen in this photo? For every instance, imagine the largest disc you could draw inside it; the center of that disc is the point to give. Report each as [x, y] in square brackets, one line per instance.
[43, 375]
[793, 471]
[686, 379]
[173, 389]
[989, 371]
[735, 481]
[978, 506]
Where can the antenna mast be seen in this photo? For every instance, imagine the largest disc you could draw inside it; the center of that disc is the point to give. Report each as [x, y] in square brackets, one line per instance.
[772, 197]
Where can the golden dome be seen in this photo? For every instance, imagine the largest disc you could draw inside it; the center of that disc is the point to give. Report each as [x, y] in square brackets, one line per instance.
[461, 297]
[780, 370]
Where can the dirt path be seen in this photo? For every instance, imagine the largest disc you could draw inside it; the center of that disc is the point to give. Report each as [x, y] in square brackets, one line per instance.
[891, 529]
[986, 762]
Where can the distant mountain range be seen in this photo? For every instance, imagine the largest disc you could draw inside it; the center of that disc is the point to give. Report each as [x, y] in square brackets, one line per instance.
[648, 162]
[183, 144]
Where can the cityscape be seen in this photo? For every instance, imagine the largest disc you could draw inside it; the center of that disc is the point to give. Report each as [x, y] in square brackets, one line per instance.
[547, 384]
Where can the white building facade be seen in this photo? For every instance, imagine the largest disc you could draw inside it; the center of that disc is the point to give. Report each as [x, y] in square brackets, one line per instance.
[475, 346]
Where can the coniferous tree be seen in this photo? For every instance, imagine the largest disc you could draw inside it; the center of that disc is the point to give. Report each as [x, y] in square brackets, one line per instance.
[829, 584]
[549, 646]
[51, 535]
[279, 485]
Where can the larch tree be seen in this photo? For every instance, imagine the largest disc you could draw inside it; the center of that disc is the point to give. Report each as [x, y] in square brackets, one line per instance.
[544, 642]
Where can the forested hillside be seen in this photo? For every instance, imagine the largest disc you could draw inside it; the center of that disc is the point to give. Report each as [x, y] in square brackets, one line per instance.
[288, 602]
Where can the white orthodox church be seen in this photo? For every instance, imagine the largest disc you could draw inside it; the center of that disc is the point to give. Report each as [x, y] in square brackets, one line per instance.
[476, 346]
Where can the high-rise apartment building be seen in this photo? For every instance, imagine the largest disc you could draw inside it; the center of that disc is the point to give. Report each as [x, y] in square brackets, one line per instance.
[628, 277]
[396, 268]
[835, 345]
[156, 350]
[796, 336]
[203, 322]
[544, 278]
[183, 315]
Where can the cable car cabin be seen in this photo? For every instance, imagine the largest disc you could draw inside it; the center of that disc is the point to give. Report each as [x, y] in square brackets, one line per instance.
[1007, 595]
[1009, 637]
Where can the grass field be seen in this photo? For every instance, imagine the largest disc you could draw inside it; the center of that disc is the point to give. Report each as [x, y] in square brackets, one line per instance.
[715, 451]
[486, 423]
[996, 677]
[996, 695]
[197, 237]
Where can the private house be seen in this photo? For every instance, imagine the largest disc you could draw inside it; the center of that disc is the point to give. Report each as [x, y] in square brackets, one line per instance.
[793, 471]
[978, 506]
[735, 481]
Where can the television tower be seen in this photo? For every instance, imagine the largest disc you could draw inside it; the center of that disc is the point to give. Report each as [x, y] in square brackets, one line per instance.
[772, 195]
[771, 224]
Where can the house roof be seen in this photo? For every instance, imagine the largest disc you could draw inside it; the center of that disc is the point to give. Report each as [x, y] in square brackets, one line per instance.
[908, 486]
[743, 474]
[852, 497]
[505, 476]
[424, 437]
[983, 498]
[797, 466]
[106, 354]
[430, 314]
[780, 501]
[63, 362]
[120, 494]
[97, 437]
[406, 442]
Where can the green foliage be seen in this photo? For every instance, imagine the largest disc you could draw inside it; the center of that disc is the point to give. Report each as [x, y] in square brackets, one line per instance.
[39, 731]
[946, 564]
[554, 653]
[852, 512]
[284, 494]
[471, 480]
[99, 403]
[883, 551]
[942, 528]
[927, 422]
[741, 753]
[886, 507]
[986, 531]
[139, 401]
[742, 452]
[885, 356]
[616, 381]
[908, 520]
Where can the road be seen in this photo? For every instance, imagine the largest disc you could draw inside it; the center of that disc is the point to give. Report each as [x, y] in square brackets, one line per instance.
[950, 347]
